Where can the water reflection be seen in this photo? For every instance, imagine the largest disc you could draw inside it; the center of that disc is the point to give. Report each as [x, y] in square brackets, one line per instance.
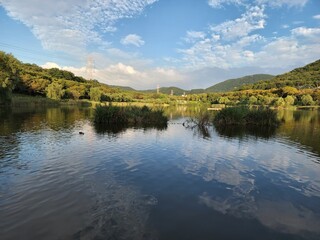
[246, 131]
[115, 129]
[157, 182]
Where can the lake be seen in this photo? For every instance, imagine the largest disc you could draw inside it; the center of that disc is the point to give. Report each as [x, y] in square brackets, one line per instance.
[171, 183]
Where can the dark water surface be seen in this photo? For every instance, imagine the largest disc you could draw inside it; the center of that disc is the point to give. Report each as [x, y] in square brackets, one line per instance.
[175, 183]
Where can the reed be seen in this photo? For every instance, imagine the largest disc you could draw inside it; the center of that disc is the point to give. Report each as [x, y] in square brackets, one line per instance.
[246, 116]
[131, 115]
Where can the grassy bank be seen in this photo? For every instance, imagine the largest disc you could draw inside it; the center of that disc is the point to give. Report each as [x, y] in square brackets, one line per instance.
[131, 115]
[20, 100]
[245, 116]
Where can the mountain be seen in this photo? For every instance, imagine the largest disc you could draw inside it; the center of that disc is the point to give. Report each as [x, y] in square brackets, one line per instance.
[123, 88]
[303, 77]
[234, 84]
[225, 86]
[167, 90]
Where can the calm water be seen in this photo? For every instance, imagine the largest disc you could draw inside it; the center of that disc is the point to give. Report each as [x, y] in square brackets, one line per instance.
[174, 183]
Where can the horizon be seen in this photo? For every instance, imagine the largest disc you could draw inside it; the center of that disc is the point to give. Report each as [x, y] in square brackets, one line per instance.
[144, 43]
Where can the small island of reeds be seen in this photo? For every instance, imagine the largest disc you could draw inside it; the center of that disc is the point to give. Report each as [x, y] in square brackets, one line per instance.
[244, 116]
[130, 115]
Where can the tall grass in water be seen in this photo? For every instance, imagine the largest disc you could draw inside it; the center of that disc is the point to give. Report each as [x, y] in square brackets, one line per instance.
[246, 116]
[130, 115]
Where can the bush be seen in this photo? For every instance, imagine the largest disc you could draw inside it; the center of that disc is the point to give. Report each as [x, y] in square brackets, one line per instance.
[289, 100]
[307, 100]
[245, 116]
[132, 115]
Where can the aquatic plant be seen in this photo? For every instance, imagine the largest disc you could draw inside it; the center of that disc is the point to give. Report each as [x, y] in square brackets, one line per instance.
[130, 115]
[246, 116]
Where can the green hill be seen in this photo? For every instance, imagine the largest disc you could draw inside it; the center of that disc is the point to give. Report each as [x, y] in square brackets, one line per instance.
[30, 79]
[234, 84]
[303, 77]
[167, 90]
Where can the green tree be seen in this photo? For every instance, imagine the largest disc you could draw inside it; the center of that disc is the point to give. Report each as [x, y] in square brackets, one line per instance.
[95, 94]
[307, 100]
[55, 91]
[253, 100]
[9, 76]
[223, 100]
[289, 100]
[279, 102]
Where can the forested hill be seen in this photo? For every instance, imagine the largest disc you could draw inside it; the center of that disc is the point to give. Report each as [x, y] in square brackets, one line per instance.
[234, 84]
[301, 78]
[54, 83]
[167, 90]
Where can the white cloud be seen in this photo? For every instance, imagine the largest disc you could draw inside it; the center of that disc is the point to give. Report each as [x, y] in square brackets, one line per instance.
[253, 19]
[310, 33]
[49, 65]
[220, 3]
[271, 3]
[285, 26]
[132, 39]
[193, 36]
[317, 16]
[73, 24]
[281, 3]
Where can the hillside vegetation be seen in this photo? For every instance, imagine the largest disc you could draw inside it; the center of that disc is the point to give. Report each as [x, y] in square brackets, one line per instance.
[234, 84]
[301, 78]
[298, 87]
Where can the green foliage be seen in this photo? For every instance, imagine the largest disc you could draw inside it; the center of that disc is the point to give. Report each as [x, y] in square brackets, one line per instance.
[301, 78]
[245, 116]
[278, 102]
[307, 100]
[95, 94]
[234, 84]
[55, 91]
[223, 100]
[252, 100]
[289, 100]
[129, 115]
[9, 76]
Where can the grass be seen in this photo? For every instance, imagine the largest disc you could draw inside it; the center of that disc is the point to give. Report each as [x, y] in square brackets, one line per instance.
[20, 100]
[245, 116]
[131, 115]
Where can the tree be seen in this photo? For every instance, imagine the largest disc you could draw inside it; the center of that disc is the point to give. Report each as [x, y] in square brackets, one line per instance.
[279, 102]
[307, 100]
[289, 100]
[95, 94]
[253, 100]
[55, 91]
[223, 100]
[9, 76]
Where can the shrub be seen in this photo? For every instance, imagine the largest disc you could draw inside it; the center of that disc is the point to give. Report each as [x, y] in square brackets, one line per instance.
[133, 116]
[307, 100]
[246, 116]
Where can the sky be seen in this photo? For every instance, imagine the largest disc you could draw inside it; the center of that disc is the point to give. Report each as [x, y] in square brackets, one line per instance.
[145, 43]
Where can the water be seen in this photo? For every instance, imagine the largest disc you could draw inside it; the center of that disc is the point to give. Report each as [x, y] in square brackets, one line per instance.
[174, 183]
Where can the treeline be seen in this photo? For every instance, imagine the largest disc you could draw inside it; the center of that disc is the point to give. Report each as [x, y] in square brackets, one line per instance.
[307, 77]
[298, 87]
[30, 79]
[286, 96]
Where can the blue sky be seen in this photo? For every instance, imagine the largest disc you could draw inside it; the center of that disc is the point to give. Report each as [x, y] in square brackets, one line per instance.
[143, 43]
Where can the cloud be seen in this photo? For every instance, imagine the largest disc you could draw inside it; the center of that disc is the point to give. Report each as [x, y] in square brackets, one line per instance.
[271, 3]
[312, 34]
[220, 3]
[73, 24]
[281, 3]
[49, 65]
[252, 19]
[317, 16]
[193, 36]
[132, 39]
